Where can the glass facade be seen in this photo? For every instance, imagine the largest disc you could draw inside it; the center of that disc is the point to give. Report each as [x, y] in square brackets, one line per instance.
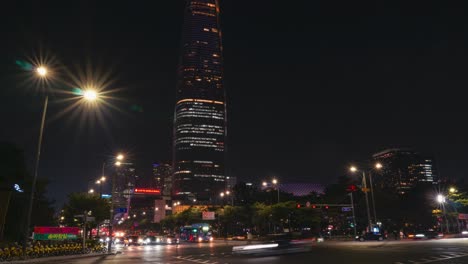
[403, 169]
[200, 112]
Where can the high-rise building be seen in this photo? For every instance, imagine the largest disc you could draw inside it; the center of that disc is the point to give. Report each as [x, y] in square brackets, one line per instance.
[125, 179]
[162, 178]
[403, 169]
[200, 110]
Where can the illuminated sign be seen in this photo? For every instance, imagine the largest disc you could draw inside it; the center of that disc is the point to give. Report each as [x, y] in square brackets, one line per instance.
[55, 233]
[208, 215]
[17, 188]
[54, 236]
[147, 191]
[56, 230]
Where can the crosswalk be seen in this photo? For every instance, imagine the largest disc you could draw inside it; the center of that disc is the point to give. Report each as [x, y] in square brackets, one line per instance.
[435, 258]
[205, 258]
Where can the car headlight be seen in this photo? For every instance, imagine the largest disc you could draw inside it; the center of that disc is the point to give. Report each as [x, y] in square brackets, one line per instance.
[158, 240]
[357, 237]
[130, 240]
[211, 238]
[420, 235]
[200, 239]
[464, 232]
[169, 240]
[117, 240]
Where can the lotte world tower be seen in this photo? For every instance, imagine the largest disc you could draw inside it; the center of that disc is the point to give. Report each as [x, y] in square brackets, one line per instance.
[200, 110]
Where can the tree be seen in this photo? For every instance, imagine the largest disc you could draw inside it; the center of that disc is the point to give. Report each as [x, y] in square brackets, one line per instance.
[78, 203]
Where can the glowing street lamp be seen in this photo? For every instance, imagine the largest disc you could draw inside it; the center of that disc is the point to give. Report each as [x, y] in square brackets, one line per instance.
[91, 191]
[440, 198]
[41, 71]
[90, 95]
[120, 157]
[452, 190]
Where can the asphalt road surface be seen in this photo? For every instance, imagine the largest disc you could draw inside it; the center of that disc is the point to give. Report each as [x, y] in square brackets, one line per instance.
[444, 251]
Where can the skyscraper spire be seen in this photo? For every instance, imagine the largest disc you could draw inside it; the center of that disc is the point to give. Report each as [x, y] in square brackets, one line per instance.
[200, 115]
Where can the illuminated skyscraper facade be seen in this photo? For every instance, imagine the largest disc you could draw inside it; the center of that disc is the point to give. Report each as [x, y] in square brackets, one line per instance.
[200, 112]
[403, 169]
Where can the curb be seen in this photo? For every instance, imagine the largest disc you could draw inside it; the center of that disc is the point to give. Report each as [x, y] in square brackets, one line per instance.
[58, 258]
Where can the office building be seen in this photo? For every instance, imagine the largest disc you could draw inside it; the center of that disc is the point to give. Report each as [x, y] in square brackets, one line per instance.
[404, 169]
[200, 110]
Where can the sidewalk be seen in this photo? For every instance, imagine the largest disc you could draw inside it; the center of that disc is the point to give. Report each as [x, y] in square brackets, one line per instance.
[59, 258]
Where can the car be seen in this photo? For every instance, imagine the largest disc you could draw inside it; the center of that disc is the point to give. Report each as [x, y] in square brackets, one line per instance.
[278, 246]
[370, 236]
[151, 240]
[133, 240]
[170, 239]
[425, 234]
[205, 238]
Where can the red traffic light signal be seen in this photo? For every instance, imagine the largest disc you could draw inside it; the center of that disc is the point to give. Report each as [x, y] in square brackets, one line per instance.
[326, 206]
[298, 205]
[352, 188]
[314, 206]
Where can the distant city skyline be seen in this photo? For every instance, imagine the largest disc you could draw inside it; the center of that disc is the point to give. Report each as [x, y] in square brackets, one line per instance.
[307, 94]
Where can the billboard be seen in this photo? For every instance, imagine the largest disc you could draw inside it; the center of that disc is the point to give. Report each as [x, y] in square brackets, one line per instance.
[147, 191]
[208, 215]
[55, 233]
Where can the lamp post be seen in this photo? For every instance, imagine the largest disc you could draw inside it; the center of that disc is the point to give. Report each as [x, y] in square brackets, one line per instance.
[441, 200]
[89, 95]
[41, 73]
[354, 169]
[275, 182]
[100, 182]
[119, 158]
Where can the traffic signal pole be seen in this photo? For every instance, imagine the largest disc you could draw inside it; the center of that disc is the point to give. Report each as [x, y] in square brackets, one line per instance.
[354, 217]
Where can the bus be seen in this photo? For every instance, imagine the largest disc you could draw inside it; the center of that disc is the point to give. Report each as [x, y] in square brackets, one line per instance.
[199, 232]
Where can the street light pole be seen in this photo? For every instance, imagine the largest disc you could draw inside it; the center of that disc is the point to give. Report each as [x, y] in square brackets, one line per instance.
[372, 196]
[36, 167]
[367, 200]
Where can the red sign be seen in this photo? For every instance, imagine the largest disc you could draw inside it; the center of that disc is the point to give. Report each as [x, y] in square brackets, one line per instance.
[463, 216]
[208, 215]
[147, 191]
[56, 230]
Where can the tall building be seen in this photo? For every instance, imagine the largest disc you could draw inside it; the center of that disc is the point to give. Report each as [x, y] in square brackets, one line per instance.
[162, 178]
[125, 179]
[403, 169]
[200, 110]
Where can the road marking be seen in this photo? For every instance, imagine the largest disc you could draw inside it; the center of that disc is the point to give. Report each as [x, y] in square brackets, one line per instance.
[196, 260]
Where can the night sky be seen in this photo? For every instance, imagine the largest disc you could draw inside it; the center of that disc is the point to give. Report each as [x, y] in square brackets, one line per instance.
[311, 85]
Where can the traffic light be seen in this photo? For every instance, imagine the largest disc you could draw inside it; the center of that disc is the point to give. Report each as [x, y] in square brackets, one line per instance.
[314, 206]
[351, 188]
[326, 207]
[298, 205]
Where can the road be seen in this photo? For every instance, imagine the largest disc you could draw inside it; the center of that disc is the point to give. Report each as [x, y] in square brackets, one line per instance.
[444, 251]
